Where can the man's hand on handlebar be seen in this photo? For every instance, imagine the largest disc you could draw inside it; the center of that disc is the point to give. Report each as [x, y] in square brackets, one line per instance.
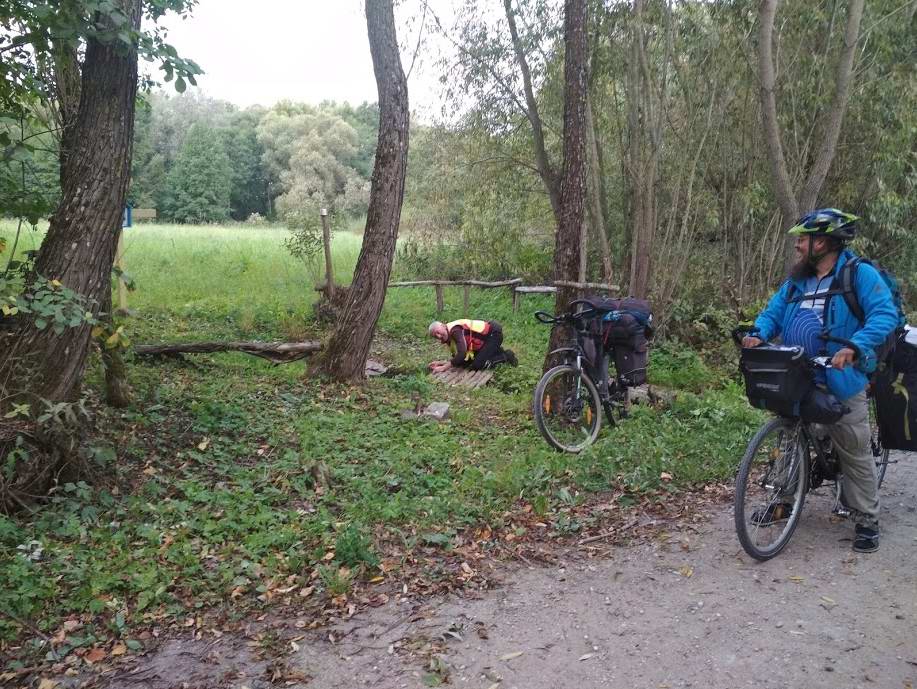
[750, 341]
[843, 357]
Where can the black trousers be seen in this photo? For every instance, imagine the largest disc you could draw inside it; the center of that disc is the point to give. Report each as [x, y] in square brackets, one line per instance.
[492, 348]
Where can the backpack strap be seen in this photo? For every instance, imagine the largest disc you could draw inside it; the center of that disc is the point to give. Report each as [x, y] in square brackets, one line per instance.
[847, 279]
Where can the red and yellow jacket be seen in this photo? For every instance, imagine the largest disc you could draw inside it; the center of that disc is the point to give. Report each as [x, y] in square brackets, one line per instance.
[473, 335]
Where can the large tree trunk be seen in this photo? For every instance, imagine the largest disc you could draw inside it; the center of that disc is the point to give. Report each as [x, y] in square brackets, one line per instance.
[791, 203]
[573, 180]
[67, 87]
[80, 244]
[348, 348]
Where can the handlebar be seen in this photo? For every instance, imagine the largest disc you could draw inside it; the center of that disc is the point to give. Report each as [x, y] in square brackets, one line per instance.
[567, 318]
[742, 330]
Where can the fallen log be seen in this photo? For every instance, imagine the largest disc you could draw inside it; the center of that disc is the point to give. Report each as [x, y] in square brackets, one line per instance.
[278, 352]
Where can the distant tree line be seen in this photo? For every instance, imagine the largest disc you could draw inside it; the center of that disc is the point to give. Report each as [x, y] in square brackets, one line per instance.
[197, 159]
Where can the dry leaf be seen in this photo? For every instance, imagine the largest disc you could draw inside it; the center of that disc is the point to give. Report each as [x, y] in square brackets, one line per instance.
[203, 444]
[376, 580]
[796, 578]
[510, 656]
[665, 476]
[586, 656]
[118, 650]
[95, 655]
[686, 571]
[328, 556]
[306, 592]
[48, 684]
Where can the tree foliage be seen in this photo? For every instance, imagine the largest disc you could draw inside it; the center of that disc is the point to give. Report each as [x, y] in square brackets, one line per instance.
[198, 187]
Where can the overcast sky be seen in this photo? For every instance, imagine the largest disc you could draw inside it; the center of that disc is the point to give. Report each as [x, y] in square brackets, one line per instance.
[303, 50]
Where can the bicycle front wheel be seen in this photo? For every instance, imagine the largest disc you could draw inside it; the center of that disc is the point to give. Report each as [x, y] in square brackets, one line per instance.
[879, 453]
[567, 408]
[771, 488]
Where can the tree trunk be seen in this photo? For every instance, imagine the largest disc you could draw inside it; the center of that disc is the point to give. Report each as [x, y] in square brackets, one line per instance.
[780, 176]
[643, 151]
[79, 247]
[573, 181]
[545, 170]
[595, 192]
[348, 347]
[67, 87]
[791, 203]
[816, 178]
[117, 390]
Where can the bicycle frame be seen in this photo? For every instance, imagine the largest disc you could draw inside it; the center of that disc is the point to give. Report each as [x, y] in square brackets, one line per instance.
[575, 356]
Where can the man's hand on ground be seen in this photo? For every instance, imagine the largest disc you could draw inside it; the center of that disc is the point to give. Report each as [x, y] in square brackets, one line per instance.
[440, 366]
[751, 341]
[843, 357]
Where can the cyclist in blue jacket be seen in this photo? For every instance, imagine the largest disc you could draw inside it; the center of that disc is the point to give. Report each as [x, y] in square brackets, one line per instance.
[801, 312]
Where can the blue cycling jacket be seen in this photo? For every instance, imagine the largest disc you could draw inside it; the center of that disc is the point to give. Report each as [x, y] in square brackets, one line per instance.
[881, 319]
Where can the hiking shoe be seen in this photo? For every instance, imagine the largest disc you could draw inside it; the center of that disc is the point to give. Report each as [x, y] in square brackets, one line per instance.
[867, 539]
[778, 512]
[511, 357]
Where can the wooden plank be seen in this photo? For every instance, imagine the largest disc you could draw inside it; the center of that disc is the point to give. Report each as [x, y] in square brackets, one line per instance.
[477, 379]
[537, 289]
[439, 299]
[587, 285]
[457, 283]
[467, 379]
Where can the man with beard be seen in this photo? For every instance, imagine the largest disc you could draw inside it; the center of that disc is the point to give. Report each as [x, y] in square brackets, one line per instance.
[804, 311]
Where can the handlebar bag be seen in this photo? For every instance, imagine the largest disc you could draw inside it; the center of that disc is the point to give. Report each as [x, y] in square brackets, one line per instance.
[777, 378]
[820, 406]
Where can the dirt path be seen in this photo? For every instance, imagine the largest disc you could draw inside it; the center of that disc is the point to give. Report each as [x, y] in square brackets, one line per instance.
[689, 610]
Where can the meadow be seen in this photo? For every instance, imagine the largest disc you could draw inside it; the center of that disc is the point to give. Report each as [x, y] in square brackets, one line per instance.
[231, 484]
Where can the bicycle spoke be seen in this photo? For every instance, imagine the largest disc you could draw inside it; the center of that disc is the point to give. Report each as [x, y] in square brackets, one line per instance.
[770, 489]
[566, 409]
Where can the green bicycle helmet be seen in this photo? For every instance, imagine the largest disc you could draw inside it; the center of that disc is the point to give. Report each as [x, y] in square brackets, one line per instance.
[827, 222]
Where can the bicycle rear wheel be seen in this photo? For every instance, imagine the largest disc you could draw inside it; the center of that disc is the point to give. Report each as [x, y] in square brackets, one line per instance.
[567, 409]
[771, 488]
[879, 453]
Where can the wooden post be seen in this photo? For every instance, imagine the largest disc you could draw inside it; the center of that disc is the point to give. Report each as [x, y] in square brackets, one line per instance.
[515, 295]
[122, 286]
[439, 298]
[467, 291]
[329, 270]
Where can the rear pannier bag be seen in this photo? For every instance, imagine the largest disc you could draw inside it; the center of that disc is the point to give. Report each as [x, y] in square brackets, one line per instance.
[777, 378]
[895, 390]
[625, 326]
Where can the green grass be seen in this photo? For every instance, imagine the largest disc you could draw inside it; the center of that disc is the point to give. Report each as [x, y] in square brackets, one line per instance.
[230, 477]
